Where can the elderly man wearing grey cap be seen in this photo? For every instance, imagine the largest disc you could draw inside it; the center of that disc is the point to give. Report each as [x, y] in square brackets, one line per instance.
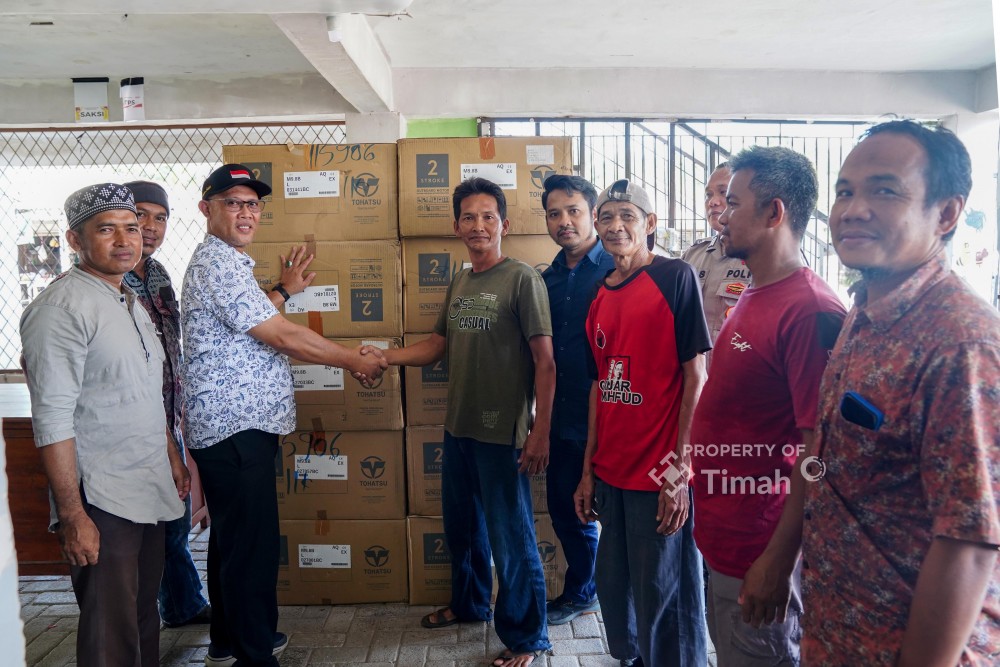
[646, 332]
[94, 369]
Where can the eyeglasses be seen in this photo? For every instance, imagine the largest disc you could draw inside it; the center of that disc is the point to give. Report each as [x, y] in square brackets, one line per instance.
[236, 205]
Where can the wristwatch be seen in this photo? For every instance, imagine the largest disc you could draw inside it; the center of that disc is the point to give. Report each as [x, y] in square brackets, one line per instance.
[280, 289]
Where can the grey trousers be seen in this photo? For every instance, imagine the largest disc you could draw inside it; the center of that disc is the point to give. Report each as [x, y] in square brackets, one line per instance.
[739, 644]
[119, 621]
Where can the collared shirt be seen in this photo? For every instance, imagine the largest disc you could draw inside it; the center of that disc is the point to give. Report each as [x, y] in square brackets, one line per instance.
[232, 381]
[156, 294]
[570, 294]
[94, 371]
[927, 356]
[722, 279]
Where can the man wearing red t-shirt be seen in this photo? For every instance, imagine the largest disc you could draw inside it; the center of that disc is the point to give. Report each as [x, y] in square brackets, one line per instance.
[646, 332]
[758, 411]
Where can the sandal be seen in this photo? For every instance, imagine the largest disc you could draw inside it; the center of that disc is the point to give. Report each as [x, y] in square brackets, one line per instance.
[507, 655]
[442, 622]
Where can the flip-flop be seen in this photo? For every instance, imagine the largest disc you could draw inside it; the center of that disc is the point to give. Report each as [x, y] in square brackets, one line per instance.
[429, 622]
[507, 655]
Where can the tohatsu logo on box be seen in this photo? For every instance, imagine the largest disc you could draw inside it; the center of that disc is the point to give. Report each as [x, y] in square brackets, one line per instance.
[377, 560]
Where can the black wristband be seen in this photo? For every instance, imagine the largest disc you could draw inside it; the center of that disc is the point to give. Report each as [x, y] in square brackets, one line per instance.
[279, 288]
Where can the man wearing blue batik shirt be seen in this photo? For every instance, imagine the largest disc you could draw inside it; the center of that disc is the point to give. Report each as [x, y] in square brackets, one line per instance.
[237, 400]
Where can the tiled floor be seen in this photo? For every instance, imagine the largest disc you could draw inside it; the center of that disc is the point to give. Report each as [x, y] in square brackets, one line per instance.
[376, 635]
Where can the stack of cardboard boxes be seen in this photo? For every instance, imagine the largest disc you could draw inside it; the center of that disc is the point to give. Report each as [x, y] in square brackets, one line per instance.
[429, 170]
[343, 480]
[340, 476]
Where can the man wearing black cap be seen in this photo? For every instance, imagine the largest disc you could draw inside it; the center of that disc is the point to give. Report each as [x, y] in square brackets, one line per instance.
[238, 398]
[94, 369]
[181, 601]
[646, 332]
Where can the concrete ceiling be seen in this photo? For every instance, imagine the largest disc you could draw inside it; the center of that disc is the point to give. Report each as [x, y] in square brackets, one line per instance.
[482, 57]
[90, 38]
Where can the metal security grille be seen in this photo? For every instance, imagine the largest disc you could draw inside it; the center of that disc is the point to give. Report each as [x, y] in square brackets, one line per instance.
[39, 169]
[674, 159]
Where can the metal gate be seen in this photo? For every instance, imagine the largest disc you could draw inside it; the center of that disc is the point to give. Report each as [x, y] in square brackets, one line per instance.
[673, 160]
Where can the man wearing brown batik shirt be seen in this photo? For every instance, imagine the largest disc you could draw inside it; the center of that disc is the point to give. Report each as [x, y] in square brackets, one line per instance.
[900, 527]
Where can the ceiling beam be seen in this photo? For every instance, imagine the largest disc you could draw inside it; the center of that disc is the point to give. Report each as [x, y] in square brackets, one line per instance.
[356, 66]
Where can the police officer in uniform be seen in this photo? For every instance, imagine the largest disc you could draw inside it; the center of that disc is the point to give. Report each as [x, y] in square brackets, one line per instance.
[722, 278]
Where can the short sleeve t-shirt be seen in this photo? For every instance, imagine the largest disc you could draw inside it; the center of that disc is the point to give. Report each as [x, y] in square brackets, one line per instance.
[762, 391]
[640, 333]
[488, 319]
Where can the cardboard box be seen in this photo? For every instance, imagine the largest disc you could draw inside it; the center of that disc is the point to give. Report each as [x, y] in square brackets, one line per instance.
[424, 453]
[343, 192]
[430, 561]
[424, 457]
[342, 562]
[426, 389]
[430, 169]
[550, 552]
[356, 291]
[328, 399]
[429, 264]
[331, 475]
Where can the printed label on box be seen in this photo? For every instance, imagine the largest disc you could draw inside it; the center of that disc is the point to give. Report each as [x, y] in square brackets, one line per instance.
[325, 555]
[380, 344]
[436, 373]
[540, 154]
[311, 184]
[432, 170]
[436, 549]
[323, 468]
[503, 174]
[433, 455]
[432, 268]
[261, 172]
[366, 305]
[314, 377]
[325, 298]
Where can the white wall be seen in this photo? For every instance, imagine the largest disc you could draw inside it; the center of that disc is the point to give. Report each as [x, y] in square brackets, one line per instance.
[469, 92]
[465, 92]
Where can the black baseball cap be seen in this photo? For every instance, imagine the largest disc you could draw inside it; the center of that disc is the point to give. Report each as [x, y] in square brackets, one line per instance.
[229, 176]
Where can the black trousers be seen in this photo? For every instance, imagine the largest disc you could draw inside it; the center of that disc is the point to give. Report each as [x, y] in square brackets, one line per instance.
[119, 621]
[238, 477]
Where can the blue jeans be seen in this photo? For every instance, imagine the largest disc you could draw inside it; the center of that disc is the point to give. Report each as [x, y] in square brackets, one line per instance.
[180, 589]
[650, 585]
[579, 540]
[487, 508]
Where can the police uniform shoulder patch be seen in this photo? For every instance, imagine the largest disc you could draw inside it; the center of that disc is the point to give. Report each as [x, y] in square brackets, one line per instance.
[735, 289]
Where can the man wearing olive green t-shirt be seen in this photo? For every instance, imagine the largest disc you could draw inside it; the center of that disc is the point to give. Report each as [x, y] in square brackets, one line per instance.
[495, 328]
